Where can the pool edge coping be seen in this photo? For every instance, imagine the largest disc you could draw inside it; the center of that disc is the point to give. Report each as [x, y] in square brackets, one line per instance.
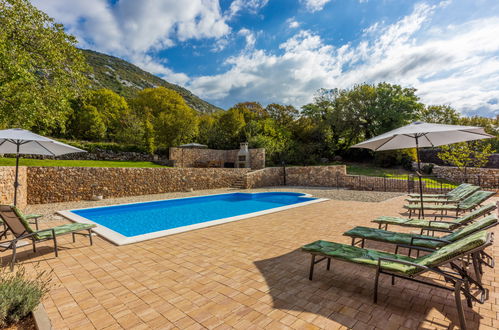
[119, 239]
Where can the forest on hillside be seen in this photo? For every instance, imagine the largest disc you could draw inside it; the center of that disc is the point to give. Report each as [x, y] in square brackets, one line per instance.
[45, 87]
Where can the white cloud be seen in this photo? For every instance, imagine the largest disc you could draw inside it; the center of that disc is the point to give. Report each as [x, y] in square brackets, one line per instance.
[132, 28]
[249, 37]
[459, 65]
[292, 23]
[315, 5]
[252, 6]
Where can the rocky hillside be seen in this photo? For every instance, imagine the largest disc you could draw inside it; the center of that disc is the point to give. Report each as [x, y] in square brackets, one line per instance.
[127, 79]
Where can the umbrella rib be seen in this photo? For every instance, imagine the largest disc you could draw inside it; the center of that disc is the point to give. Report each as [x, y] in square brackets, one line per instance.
[481, 134]
[391, 138]
[426, 137]
[44, 148]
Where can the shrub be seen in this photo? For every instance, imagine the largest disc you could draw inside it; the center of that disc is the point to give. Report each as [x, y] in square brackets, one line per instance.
[20, 294]
[390, 158]
[427, 168]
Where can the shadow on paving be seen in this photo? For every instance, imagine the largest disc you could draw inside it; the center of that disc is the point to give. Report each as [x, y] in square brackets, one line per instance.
[344, 295]
[25, 255]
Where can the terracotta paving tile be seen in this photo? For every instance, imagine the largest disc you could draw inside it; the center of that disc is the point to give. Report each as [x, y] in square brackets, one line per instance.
[248, 274]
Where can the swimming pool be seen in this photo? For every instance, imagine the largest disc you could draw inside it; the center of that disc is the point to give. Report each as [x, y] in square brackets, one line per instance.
[130, 223]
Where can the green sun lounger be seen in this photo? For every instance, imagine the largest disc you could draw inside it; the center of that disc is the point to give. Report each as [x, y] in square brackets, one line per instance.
[468, 204]
[443, 196]
[423, 242]
[22, 231]
[434, 225]
[454, 198]
[456, 279]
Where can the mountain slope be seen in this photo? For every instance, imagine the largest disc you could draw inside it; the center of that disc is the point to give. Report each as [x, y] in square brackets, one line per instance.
[127, 79]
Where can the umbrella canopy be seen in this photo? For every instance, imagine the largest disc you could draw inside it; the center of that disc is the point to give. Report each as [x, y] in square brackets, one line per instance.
[419, 134]
[193, 146]
[30, 143]
[22, 142]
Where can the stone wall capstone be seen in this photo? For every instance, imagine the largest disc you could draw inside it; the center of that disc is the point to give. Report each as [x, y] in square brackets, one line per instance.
[186, 157]
[63, 184]
[7, 178]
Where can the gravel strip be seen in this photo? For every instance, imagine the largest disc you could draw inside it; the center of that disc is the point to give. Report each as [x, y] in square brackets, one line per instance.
[48, 210]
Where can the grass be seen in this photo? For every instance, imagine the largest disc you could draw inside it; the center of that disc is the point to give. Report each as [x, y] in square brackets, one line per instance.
[397, 173]
[74, 163]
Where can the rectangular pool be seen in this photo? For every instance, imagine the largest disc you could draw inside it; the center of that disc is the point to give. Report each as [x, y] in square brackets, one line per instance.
[130, 223]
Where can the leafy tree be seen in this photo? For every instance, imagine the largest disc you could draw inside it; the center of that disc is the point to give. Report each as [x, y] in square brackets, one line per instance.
[173, 121]
[113, 109]
[229, 129]
[440, 114]
[88, 124]
[466, 154]
[40, 68]
[284, 115]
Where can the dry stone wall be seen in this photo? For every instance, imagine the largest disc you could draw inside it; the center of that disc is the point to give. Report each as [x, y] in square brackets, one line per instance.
[62, 184]
[484, 177]
[7, 178]
[267, 177]
[184, 157]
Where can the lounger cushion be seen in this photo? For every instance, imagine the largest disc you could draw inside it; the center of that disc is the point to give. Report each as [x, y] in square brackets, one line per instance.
[64, 229]
[453, 250]
[421, 223]
[469, 203]
[381, 235]
[447, 195]
[471, 228]
[405, 238]
[360, 256]
[454, 196]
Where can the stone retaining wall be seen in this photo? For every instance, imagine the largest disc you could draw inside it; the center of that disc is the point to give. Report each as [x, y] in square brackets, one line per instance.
[62, 184]
[267, 177]
[484, 177]
[185, 157]
[7, 178]
[314, 176]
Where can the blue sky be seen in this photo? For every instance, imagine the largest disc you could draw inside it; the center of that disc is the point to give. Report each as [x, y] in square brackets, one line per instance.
[229, 51]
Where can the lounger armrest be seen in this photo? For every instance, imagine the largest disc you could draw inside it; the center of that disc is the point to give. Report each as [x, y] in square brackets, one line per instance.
[415, 247]
[43, 230]
[436, 239]
[28, 235]
[403, 262]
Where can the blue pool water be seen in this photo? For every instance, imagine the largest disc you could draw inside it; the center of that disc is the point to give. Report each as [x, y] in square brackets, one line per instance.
[142, 218]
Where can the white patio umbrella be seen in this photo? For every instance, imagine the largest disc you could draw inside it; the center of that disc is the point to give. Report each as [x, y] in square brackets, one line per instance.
[419, 135]
[22, 142]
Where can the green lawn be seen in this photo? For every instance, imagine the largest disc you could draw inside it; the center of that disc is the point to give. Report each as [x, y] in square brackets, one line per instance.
[74, 163]
[400, 174]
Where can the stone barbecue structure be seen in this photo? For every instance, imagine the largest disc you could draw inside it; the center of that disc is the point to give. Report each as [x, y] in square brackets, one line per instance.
[187, 157]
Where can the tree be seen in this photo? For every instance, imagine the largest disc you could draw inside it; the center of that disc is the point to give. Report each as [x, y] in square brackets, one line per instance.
[466, 154]
[113, 109]
[440, 114]
[173, 121]
[230, 129]
[88, 124]
[284, 115]
[41, 70]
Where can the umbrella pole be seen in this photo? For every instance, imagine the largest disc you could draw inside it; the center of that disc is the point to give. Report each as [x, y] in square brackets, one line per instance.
[420, 180]
[16, 182]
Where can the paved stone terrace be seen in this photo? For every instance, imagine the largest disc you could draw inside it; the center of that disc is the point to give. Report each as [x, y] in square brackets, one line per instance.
[247, 274]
